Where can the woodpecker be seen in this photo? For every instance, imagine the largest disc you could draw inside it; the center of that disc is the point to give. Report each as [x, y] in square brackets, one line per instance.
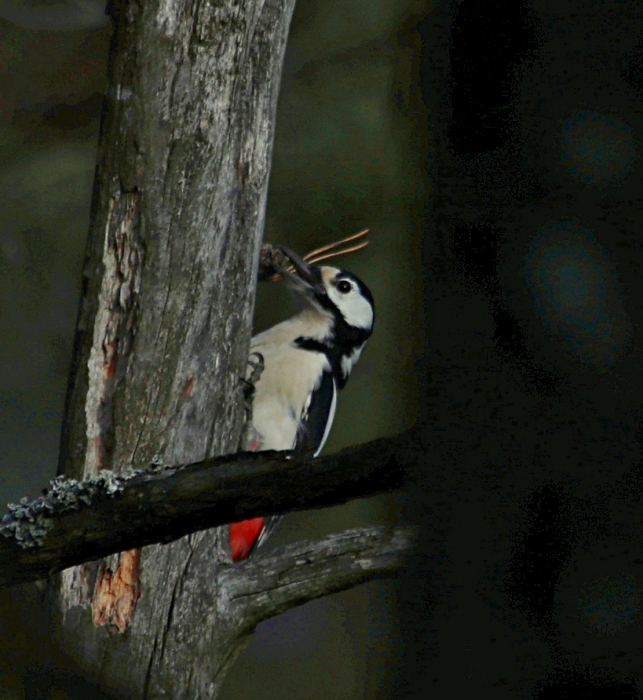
[305, 360]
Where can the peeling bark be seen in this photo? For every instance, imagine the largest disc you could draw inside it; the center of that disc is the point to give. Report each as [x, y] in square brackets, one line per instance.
[113, 325]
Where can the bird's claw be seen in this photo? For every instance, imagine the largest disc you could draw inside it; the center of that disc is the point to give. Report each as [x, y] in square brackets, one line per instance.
[257, 365]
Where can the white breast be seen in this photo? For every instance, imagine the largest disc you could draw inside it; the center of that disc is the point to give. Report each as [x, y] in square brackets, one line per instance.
[290, 374]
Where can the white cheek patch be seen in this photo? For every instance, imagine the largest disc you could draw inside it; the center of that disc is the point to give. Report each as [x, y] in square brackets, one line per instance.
[354, 308]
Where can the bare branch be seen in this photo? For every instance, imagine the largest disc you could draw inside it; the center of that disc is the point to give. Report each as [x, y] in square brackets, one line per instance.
[94, 518]
[262, 587]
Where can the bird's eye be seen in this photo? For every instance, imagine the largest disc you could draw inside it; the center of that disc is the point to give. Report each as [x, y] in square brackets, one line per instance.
[344, 286]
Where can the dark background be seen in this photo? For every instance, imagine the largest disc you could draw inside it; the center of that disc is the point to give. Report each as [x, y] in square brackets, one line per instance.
[493, 148]
[528, 580]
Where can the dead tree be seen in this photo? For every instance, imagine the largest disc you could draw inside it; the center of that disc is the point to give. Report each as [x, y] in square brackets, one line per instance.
[164, 327]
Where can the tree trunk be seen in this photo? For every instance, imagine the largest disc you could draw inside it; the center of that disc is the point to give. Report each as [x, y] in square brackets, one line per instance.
[164, 326]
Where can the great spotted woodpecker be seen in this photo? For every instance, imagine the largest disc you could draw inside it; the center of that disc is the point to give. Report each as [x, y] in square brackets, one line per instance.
[305, 359]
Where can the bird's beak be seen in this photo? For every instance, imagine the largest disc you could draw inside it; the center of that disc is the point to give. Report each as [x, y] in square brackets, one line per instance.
[308, 274]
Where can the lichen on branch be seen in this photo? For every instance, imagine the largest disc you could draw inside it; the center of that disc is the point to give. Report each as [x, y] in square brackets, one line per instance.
[28, 522]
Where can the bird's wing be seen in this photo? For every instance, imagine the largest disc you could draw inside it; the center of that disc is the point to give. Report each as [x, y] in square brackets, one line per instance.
[317, 417]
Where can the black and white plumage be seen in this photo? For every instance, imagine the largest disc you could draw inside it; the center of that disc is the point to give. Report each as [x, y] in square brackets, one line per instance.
[306, 359]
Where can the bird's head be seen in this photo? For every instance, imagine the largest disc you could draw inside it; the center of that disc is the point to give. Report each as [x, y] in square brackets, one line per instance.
[335, 292]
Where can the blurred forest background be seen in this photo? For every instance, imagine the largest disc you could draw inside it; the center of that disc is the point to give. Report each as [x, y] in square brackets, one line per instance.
[348, 155]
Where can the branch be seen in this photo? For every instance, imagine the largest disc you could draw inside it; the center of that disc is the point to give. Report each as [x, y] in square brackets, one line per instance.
[87, 520]
[264, 586]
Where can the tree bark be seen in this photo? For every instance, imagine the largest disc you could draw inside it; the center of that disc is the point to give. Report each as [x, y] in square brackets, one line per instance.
[164, 325]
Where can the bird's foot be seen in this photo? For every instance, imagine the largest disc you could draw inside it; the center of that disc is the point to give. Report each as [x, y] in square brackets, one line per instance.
[250, 439]
[257, 365]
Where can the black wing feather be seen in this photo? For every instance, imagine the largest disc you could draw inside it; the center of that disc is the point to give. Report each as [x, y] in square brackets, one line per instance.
[315, 417]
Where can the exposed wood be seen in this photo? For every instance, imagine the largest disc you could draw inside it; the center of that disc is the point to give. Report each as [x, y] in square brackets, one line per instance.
[86, 522]
[117, 592]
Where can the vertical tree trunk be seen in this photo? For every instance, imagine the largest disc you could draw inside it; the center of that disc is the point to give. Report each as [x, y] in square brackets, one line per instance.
[163, 332]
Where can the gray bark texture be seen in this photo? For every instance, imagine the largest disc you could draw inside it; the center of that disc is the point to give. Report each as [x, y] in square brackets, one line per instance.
[163, 331]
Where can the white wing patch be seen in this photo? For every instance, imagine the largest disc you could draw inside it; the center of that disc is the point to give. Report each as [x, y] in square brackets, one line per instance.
[329, 422]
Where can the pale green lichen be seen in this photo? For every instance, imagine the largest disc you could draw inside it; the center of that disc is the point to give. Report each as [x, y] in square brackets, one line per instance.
[28, 522]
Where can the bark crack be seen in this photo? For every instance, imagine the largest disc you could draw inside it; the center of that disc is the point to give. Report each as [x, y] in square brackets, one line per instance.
[148, 672]
[170, 614]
